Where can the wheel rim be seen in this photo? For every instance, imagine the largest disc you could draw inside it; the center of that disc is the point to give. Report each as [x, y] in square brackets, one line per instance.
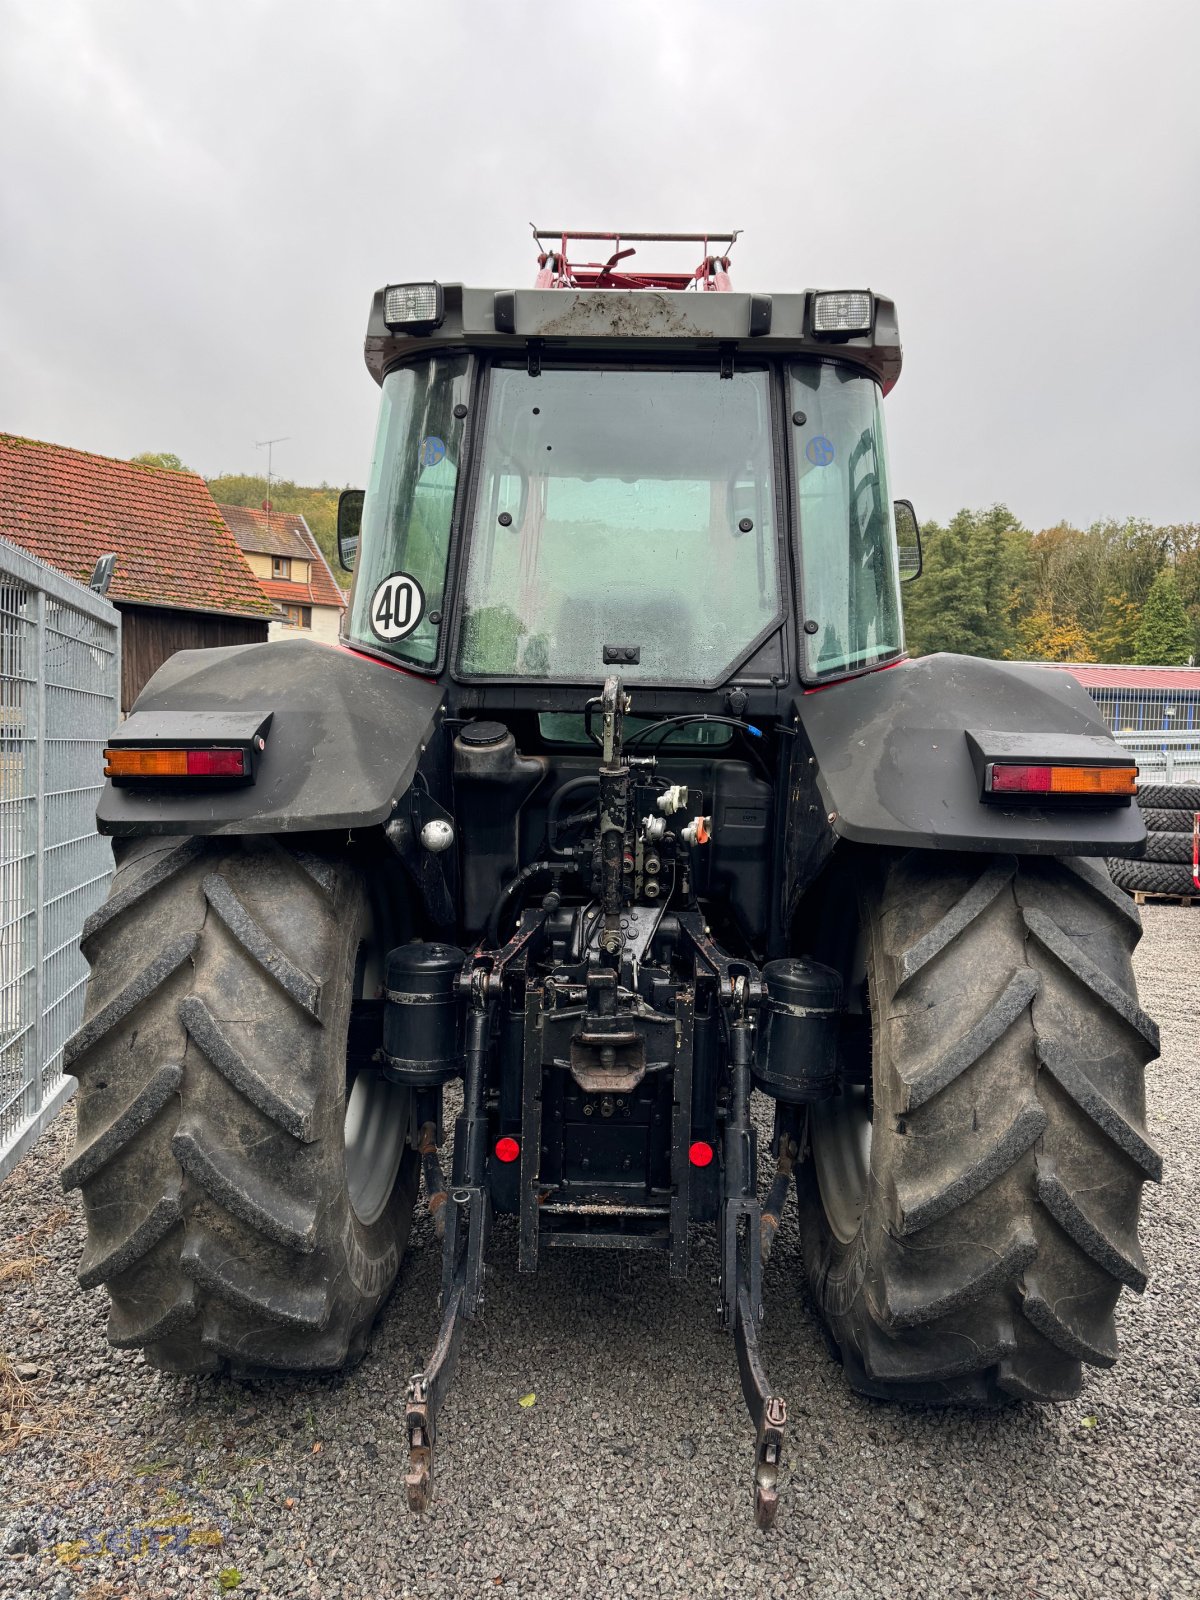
[840, 1135]
[376, 1127]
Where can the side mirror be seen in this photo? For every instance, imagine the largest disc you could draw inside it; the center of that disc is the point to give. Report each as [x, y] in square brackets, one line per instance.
[350, 510]
[908, 540]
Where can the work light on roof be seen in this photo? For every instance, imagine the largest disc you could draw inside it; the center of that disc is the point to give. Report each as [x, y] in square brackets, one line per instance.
[414, 307]
[844, 311]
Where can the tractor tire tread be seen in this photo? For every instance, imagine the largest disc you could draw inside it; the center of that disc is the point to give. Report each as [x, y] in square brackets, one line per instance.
[1169, 796]
[1001, 1212]
[210, 1147]
[1160, 820]
[1154, 877]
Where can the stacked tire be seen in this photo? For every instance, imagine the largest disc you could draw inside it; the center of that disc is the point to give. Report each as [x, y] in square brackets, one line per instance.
[1170, 812]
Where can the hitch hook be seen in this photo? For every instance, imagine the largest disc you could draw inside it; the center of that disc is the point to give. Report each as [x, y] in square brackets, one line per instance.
[423, 1401]
[418, 1480]
[767, 1411]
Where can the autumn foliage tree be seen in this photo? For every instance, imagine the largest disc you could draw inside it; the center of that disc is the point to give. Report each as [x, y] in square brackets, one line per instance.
[1063, 594]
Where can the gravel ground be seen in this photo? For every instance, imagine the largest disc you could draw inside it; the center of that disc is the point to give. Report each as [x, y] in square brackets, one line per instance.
[630, 1473]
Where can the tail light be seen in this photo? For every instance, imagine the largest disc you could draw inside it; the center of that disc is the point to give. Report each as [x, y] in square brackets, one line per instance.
[1049, 782]
[127, 762]
[182, 746]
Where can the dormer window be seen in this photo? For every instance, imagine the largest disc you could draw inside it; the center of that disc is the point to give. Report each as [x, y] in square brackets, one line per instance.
[281, 567]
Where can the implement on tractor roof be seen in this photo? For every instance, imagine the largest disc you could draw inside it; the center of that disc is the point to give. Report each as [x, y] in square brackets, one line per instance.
[618, 803]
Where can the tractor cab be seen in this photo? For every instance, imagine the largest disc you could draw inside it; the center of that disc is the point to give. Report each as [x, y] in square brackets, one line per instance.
[689, 505]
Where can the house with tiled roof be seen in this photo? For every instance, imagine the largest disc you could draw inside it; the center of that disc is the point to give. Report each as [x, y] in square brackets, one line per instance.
[291, 569]
[180, 581]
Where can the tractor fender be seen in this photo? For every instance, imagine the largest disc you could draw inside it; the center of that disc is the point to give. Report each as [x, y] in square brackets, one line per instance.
[346, 733]
[885, 758]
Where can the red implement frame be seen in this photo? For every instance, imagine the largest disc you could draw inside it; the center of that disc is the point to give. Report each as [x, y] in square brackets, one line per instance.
[556, 269]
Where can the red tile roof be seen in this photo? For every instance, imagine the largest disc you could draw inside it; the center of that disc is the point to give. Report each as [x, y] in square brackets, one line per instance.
[1100, 675]
[285, 533]
[70, 507]
[276, 535]
[291, 594]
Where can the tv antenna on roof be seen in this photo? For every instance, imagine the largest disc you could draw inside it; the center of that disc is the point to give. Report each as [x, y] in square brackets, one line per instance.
[268, 445]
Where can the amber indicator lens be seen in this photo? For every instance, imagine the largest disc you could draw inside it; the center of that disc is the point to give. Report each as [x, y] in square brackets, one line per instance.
[1009, 778]
[175, 764]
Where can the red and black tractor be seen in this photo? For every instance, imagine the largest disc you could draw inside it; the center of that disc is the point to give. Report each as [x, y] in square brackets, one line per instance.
[618, 804]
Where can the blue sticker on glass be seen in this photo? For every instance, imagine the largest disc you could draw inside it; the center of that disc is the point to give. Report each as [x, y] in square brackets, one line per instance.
[820, 451]
[433, 450]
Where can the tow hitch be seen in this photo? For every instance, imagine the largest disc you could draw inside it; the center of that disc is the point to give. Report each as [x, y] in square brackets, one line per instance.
[611, 1028]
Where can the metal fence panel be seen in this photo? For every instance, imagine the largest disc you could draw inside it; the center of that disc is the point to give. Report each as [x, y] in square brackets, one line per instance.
[1160, 726]
[59, 687]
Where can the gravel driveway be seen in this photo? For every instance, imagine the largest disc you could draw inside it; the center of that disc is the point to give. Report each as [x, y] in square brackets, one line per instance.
[630, 1473]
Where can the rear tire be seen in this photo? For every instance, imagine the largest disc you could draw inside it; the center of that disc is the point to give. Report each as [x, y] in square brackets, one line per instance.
[994, 1221]
[1167, 821]
[1171, 847]
[1169, 796]
[211, 1144]
[1153, 877]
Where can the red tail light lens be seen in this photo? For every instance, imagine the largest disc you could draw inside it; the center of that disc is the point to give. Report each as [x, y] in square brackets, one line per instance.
[216, 763]
[507, 1149]
[700, 1153]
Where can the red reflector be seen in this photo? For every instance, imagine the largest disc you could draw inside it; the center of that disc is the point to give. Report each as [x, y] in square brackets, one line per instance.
[507, 1149]
[216, 763]
[700, 1154]
[1020, 780]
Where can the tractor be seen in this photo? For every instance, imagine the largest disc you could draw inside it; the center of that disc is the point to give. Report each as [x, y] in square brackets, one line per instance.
[619, 803]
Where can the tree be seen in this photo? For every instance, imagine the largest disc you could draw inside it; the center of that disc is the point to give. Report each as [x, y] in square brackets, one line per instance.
[1097, 580]
[963, 599]
[1165, 637]
[1047, 636]
[160, 458]
[1185, 542]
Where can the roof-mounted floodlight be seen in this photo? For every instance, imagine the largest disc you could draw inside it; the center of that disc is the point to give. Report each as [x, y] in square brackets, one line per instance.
[413, 307]
[844, 311]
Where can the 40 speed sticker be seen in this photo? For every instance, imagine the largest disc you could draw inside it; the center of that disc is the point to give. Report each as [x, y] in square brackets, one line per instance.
[397, 605]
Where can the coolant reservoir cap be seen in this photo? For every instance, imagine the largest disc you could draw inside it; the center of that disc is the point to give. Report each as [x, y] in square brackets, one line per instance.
[483, 733]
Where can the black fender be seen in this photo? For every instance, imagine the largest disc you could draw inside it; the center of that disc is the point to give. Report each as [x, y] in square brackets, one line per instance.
[346, 733]
[883, 759]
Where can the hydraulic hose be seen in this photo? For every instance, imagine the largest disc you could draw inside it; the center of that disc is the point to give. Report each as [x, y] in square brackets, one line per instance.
[511, 892]
[558, 800]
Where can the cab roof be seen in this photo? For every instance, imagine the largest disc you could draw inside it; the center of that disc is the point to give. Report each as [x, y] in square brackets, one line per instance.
[593, 322]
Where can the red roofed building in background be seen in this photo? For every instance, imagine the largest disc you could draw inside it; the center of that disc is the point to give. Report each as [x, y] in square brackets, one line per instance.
[1139, 699]
[292, 571]
[180, 581]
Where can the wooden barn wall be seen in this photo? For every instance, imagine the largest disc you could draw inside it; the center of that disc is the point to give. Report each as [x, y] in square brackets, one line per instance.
[149, 634]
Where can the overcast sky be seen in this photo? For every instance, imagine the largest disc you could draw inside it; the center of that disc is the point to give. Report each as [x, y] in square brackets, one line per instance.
[198, 199]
